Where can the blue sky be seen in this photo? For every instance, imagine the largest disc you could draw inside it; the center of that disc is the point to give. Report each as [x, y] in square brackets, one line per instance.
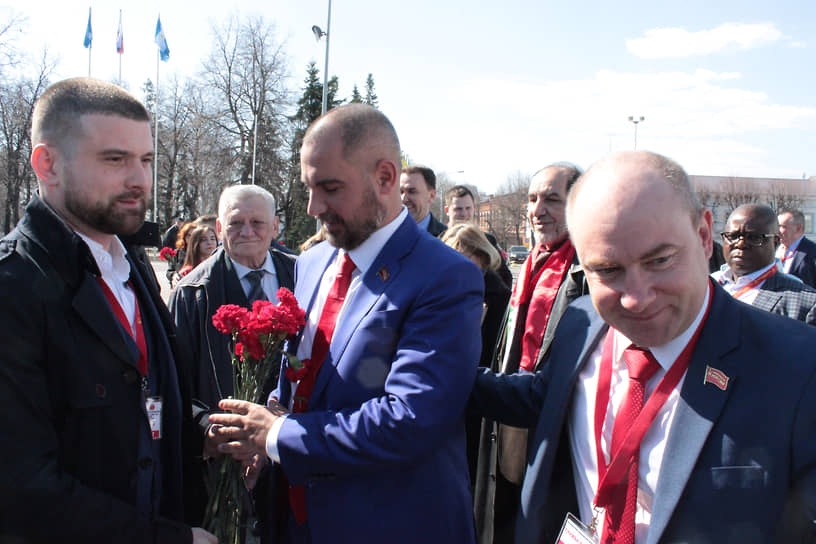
[492, 88]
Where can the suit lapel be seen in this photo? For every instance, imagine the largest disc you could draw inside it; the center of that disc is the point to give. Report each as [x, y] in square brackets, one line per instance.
[698, 408]
[92, 306]
[373, 285]
[767, 298]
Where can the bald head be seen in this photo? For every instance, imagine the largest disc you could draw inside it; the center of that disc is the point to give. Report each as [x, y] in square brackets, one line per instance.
[644, 242]
[358, 127]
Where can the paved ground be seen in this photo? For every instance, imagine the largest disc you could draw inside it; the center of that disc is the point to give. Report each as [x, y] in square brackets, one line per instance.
[160, 267]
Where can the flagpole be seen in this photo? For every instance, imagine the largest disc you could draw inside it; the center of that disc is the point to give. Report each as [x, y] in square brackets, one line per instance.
[156, 142]
[89, 59]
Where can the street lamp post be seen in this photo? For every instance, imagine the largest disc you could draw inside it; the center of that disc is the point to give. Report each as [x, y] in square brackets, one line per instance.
[318, 32]
[635, 120]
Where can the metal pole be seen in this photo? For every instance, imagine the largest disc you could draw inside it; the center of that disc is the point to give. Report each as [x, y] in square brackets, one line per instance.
[156, 143]
[326, 65]
[636, 124]
[254, 147]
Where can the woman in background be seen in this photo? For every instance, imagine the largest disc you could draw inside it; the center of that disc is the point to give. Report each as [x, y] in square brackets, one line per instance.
[202, 242]
[471, 242]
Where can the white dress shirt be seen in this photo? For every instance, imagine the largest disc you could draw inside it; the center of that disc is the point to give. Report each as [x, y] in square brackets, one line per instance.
[782, 252]
[363, 257]
[115, 270]
[269, 281]
[725, 277]
[582, 424]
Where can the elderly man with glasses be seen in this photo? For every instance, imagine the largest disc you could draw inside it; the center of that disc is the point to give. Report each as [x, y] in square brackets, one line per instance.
[751, 275]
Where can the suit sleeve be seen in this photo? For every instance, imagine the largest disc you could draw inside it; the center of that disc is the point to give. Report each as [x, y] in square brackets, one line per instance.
[424, 393]
[799, 521]
[39, 500]
[512, 399]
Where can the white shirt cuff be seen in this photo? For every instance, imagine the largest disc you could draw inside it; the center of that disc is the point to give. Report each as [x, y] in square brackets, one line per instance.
[272, 439]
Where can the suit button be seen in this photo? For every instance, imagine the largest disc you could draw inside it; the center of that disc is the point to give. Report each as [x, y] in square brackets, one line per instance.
[145, 463]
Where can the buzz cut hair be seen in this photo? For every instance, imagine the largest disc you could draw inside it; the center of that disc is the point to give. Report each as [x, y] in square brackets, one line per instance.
[361, 127]
[58, 112]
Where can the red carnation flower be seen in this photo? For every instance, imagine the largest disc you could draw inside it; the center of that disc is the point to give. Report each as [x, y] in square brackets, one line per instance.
[167, 253]
[230, 318]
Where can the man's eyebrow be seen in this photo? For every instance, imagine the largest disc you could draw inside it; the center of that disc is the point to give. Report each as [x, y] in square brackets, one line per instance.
[657, 251]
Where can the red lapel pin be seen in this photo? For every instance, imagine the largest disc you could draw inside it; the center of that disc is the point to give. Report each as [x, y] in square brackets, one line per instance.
[716, 377]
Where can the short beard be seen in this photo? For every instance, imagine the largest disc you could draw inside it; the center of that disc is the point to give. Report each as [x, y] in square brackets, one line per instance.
[354, 234]
[103, 217]
[559, 235]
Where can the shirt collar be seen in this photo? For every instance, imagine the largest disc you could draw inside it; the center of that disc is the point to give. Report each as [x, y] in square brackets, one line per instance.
[728, 276]
[795, 244]
[668, 353]
[242, 270]
[364, 254]
[423, 223]
[111, 264]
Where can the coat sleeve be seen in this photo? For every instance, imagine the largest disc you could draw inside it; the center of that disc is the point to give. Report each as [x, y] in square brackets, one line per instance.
[429, 377]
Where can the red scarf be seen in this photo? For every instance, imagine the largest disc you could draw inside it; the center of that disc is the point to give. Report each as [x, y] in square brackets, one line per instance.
[539, 291]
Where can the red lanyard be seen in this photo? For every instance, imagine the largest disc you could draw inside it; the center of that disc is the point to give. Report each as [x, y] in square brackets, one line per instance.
[609, 476]
[139, 337]
[753, 283]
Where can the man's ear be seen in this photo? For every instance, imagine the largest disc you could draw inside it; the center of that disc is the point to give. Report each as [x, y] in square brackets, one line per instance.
[219, 229]
[43, 162]
[705, 231]
[387, 175]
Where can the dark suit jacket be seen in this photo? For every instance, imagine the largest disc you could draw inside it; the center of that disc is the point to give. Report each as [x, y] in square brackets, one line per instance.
[72, 412]
[784, 295]
[196, 299]
[436, 227]
[804, 262]
[739, 465]
[505, 445]
[381, 449]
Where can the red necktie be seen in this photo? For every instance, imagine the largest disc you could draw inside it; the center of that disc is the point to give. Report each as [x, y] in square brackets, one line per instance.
[619, 524]
[320, 348]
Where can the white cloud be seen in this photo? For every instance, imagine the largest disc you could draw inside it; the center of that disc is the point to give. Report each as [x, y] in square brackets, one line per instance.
[701, 118]
[679, 42]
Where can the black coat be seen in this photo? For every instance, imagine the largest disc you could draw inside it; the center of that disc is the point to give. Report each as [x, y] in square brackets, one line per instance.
[71, 406]
[195, 300]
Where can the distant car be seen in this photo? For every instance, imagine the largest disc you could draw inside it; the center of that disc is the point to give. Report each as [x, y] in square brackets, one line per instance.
[518, 254]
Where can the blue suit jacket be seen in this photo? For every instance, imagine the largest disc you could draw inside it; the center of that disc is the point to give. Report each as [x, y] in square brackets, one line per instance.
[739, 465]
[804, 262]
[381, 449]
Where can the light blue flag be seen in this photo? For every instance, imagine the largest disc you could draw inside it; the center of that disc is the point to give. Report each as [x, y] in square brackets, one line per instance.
[88, 33]
[161, 41]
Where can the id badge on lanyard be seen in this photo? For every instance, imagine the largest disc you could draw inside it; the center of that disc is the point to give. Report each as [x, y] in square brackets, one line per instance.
[573, 531]
[153, 409]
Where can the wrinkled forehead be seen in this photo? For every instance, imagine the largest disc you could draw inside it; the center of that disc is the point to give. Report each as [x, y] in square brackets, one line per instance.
[248, 208]
[548, 181]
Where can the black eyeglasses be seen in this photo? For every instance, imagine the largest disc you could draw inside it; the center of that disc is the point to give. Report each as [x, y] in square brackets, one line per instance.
[752, 239]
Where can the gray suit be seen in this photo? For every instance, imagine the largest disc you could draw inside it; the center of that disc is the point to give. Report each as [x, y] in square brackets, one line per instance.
[785, 295]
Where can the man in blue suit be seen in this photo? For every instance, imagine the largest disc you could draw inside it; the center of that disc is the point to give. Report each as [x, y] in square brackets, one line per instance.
[796, 252]
[379, 449]
[723, 448]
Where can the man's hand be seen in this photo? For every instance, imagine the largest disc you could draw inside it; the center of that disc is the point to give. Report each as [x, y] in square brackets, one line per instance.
[200, 536]
[242, 433]
[252, 469]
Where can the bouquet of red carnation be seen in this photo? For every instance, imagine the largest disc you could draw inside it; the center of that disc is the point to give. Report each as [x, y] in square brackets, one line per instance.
[257, 336]
[167, 253]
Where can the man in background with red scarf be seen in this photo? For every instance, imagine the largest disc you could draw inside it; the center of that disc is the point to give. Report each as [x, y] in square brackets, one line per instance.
[548, 281]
